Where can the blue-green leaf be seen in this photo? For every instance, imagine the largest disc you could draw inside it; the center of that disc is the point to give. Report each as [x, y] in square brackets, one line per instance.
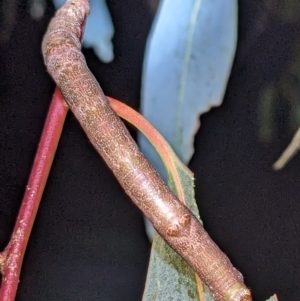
[188, 60]
[169, 276]
[273, 298]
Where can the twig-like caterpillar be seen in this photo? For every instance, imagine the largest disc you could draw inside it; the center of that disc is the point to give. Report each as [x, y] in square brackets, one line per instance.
[173, 221]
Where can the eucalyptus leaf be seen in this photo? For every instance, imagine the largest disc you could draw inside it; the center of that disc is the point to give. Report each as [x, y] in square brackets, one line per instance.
[169, 276]
[273, 298]
[188, 60]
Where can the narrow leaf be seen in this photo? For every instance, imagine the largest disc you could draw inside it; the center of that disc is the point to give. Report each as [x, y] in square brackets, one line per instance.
[289, 152]
[187, 64]
[273, 298]
[169, 276]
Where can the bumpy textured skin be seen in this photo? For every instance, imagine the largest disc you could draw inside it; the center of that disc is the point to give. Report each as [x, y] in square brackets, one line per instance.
[173, 221]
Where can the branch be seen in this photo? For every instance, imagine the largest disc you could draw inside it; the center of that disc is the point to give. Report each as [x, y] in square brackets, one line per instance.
[173, 221]
[12, 256]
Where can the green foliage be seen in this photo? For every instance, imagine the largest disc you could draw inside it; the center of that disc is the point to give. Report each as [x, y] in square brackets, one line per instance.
[169, 276]
[273, 298]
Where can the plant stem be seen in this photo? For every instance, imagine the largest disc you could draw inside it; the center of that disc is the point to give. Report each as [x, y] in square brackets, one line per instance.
[155, 138]
[172, 220]
[12, 256]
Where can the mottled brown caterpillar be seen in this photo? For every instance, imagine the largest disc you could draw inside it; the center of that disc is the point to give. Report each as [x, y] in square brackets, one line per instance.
[173, 221]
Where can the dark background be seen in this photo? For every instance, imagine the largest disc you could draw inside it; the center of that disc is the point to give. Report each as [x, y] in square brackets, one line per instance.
[88, 240]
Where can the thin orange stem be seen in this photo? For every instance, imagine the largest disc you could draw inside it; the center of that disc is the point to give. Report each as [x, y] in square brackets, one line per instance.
[157, 140]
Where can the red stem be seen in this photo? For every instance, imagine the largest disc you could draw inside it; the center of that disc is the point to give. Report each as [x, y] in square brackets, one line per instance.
[12, 256]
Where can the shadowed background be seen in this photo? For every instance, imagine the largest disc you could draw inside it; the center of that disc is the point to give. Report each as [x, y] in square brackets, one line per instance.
[88, 241]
